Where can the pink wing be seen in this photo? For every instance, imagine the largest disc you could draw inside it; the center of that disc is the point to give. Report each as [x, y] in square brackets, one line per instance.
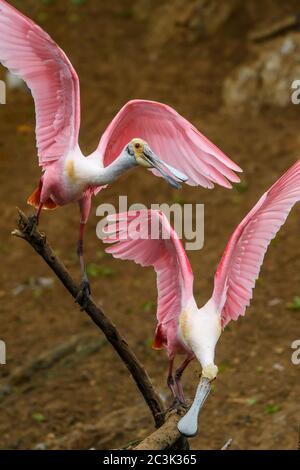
[26, 50]
[240, 265]
[173, 138]
[166, 255]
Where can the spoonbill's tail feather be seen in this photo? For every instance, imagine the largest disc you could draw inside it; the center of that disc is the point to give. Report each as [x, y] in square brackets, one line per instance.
[159, 339]
[172, 137]
[131, 235]
[241, 262]
[35, 200]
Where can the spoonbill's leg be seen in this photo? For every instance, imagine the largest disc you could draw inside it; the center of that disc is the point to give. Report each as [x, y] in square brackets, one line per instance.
[170, 380]
[33, 220]
[85, 290]
[178, 376]
[38, 213]
[172, 386]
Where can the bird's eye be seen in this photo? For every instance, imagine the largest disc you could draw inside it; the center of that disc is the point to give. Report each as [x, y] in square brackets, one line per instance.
[137, 146]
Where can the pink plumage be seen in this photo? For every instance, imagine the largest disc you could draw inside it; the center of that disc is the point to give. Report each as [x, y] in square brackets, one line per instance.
[166, 255]
[29, 52]
[182, 327]
[172, 136]
[240, 265]
[69, 176]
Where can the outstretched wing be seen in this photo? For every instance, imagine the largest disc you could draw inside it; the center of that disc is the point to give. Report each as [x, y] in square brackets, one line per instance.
[27, 51]
[173, 138]
[241, 262]
[132, 237]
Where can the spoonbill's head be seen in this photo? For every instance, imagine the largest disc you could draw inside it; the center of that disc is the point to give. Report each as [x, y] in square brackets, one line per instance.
[145, 157]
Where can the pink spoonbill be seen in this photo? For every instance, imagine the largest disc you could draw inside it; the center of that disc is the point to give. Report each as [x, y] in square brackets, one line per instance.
[140, 132]
[182, 327]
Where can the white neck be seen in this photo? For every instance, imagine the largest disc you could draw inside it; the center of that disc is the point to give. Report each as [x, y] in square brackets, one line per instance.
[201, 329]
[90, 169]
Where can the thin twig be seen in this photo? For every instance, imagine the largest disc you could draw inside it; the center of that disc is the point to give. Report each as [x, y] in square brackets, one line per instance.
[279, 27]
[38, 242]
[227, 444]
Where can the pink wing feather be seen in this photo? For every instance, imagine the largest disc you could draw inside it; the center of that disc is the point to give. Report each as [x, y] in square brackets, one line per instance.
[241, 262]
[167, 256]
[26, 50]
[173, 138]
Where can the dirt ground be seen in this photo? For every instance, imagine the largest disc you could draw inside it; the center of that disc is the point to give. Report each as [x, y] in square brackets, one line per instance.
[256, 395]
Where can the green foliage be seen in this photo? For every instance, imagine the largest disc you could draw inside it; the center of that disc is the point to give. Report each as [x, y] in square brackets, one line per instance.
[148, 306]
[224, 366]
[38, 417]
[272, 408]
[95, 270]
[148, 342]
[252, 401]
[295, 304]
[241, 187]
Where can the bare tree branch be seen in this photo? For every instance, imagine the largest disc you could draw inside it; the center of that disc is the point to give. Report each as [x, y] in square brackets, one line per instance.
[283, 25]
[38, 242]
[227, 444]
[167, 436]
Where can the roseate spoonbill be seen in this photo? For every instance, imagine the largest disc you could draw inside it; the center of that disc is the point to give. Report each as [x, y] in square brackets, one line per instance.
[182, 327]
[29, 52]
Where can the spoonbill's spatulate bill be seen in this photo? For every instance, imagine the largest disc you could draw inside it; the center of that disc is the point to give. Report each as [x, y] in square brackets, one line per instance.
[182, 327]
[29, 52]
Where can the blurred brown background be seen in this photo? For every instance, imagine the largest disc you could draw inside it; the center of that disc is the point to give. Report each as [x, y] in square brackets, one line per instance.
[197, 56]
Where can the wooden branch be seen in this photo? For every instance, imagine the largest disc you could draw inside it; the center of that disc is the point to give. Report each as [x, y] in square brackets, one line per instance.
[38, 242]
[167, 436]
[227, 444]
[279, 27]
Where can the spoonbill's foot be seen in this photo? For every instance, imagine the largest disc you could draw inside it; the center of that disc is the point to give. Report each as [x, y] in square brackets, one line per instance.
[33, 222]
[178, 403]
[175, 406]
[84, 293]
